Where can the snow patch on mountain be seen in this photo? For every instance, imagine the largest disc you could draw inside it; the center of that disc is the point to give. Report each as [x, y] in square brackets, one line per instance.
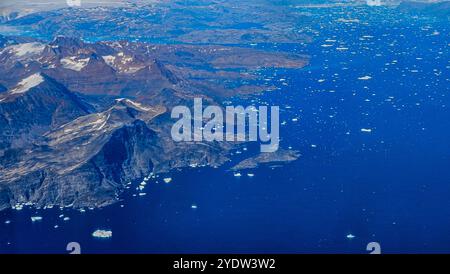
[109, 59]
[73, 63]
[28, 83]
[26, 49]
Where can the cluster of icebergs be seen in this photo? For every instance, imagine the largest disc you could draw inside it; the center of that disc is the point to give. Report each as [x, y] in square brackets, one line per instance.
[238, 174]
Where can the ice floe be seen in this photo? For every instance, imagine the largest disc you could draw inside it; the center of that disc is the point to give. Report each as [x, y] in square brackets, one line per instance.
[167, 180]
[366, 130]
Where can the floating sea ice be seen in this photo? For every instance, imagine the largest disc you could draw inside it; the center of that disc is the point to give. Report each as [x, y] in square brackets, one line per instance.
[194, 206]
[250, 175]
[237, 174]
[36, 219]
[102, 234]
[367, 130]
[7, 222]
[350, 236]
[56, 226]
[142, 194]
[321, 80]
[167, 180]
[66, 219]
[365, 78]
[314, 146]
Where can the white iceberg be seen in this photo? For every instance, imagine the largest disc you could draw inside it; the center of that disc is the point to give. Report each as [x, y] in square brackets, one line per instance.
[365, 78]
[102, 234]
[167, 180]
[36, 219]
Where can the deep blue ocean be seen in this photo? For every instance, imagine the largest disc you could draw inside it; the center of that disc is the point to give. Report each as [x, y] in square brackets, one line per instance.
[375, 161]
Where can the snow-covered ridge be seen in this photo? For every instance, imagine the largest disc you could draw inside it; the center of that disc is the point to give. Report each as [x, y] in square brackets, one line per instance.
[134, 104]
[28, 83]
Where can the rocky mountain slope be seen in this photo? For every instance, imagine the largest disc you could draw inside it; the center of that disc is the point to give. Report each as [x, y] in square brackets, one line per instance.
[79, 121]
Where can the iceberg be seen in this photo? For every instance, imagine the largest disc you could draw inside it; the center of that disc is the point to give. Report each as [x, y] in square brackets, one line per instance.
[36, 219]
[167, 180]
[102, 234]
